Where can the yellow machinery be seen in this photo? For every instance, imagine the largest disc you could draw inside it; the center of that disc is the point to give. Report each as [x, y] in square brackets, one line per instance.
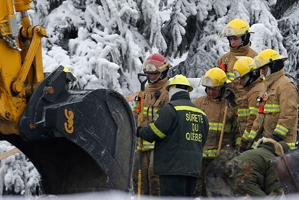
[79, 140]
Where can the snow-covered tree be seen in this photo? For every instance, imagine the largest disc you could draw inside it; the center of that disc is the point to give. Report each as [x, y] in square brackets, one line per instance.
[100, 39]
[17, 174]
[288, 24]
[207, 45]
[175, 29]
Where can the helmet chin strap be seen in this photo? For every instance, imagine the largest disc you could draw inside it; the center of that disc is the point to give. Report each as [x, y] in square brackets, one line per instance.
[247, 77]
[268, 72]
[156, 80]
[241, 43]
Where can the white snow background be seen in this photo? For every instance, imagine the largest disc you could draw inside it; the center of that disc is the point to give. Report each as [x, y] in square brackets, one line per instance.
[108, 50]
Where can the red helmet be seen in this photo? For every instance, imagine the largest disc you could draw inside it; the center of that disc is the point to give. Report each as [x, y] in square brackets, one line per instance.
[155, 63]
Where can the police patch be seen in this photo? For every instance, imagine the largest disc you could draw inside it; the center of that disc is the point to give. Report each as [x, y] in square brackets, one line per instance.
[156, 117]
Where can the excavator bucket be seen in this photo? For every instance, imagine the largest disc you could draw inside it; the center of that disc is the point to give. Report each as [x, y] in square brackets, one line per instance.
[79, 141]
[287, 170]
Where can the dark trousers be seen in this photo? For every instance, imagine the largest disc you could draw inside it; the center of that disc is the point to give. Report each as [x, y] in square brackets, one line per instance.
[173, 185]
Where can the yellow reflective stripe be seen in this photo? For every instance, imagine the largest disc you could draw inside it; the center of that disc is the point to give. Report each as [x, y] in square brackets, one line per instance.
[253, 110]
[210, 153]
[157, 131]
[218, 127]
[150, 113]
[246, 135]
[253, 146]
[163, 66]
[228, 128]
[244, 112]
[146, 145]
[145, 110]
[281, 130]
[215, 126]
[230, 76]
[189, 108]
[135, 107]
[272, 108]
[238, 141]
[252, 134]
[297, 107]
[291, 145]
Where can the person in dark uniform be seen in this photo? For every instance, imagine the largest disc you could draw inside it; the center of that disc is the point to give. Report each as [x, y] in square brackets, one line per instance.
[180, 131]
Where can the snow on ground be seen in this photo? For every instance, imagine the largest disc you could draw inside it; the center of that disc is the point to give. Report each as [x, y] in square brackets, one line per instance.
[113, 195]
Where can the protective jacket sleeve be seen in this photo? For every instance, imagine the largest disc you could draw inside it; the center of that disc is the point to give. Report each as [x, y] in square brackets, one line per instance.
[288, 110]
[163, 122]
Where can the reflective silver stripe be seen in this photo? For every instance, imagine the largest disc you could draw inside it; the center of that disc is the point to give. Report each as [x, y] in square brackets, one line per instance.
[210, 153]
[291, 145]
[253, 110]
[238, 141]
[230, 76]
[281, 130]
[218, 127]
[243, 112]
[272, 108]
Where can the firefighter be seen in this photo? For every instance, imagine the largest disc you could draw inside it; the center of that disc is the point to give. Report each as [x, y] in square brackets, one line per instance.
[252, 83]
[155, 96]
[213, 104]
[278, 116]
[180, 130]
[238, 35]
[264, 180]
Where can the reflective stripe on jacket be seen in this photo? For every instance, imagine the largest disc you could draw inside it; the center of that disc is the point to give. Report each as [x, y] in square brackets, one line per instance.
[280, 110]
[248, 107]
[214, 110]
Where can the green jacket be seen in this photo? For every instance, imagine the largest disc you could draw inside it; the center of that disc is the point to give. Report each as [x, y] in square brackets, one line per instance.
[180, 130]
[264, 180]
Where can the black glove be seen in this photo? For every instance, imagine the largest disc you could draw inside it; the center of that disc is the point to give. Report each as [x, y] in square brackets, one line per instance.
[277, 137]
[138, 129]
[229, 94]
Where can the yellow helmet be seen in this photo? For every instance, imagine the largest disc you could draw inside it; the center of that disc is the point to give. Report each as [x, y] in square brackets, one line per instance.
[243, 66]
[180, 80]
[214, 78]
[236, 27]
[266, 57]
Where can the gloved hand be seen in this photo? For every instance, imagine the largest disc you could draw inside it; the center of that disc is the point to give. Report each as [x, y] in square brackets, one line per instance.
[243, 146]
[138, 129]
[229, 94]
[277, 137]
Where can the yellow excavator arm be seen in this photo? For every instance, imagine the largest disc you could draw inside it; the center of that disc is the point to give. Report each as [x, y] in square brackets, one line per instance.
[79, 140]
[21, 62]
